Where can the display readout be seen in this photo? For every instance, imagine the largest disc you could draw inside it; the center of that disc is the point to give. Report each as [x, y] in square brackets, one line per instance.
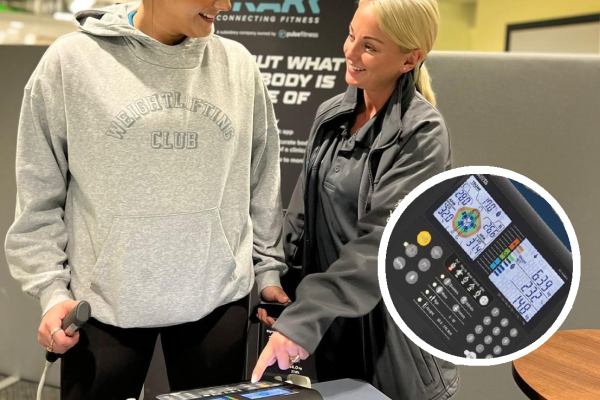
[472, 217]
[267, 393]
[526, 280]
[232, 392]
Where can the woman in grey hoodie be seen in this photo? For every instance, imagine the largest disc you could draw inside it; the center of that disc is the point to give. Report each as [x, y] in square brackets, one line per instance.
[148, 185]
[367, 149]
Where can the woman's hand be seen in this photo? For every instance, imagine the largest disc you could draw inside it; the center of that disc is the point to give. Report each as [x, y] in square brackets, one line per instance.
[271, 294]
[50, 333]
[280, 349]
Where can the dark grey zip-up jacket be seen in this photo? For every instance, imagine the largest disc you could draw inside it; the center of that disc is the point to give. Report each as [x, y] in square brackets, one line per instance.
[413, 145]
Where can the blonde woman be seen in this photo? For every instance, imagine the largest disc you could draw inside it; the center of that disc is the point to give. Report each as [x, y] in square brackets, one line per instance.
[368, 148]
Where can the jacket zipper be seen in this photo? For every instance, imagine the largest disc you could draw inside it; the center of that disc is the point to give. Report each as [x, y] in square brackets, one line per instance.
[369, 160]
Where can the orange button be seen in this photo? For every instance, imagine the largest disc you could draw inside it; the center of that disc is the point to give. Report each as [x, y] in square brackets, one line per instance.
[424, 238]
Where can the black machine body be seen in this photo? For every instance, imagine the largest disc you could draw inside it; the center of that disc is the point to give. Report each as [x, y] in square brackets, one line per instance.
[474, 271]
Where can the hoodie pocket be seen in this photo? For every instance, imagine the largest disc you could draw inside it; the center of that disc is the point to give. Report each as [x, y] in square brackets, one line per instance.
[163, 270]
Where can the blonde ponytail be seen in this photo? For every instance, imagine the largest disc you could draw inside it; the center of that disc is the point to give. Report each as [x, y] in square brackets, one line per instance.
[423, 84]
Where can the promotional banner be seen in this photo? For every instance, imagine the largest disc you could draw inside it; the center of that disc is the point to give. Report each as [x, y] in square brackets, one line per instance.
[297, 45]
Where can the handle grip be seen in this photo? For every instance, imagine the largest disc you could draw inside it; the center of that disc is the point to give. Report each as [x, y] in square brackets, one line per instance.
[74, 320]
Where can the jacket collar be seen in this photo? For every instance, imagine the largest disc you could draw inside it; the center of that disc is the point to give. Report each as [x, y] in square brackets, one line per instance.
[393, 113]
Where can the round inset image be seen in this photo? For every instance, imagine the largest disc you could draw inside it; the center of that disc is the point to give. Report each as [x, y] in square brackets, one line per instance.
[483, 280]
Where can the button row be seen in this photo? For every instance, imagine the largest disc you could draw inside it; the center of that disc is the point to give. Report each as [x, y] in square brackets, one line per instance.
[479, 349]
[497, 350]
[412, 250]
[488, 339]
[496, 331]
[399, 263]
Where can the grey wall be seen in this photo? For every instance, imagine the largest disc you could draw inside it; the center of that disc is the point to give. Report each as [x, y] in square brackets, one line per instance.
[20, 354]
[536, 115]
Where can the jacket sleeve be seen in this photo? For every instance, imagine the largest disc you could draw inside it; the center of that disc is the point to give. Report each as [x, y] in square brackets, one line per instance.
[35, 243]
[265, 203]
[350, 287]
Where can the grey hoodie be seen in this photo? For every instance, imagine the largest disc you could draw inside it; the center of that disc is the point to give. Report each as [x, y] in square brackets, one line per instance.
[147, 175]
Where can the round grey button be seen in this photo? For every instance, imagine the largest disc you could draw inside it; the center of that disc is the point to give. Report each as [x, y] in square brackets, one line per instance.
[478, 329]
[439, 289]
[471, 355]
[497, 350]
[489, 356]
[455, 308]
[487, 320]
[470, 338]
[411, 250]
[399, 263]
[514, 332]
[447, 281]
[496, 331]
[505, 341]
[479, 348]
[504, 322]
[437, 252]
[495, 312]
[412, 277]
[424, 265]
[488, 339]
[463, 300]
[483, 300]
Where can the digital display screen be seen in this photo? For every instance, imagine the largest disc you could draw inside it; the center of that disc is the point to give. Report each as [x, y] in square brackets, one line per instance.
[526, 280]
[267, 393]
[472, 217]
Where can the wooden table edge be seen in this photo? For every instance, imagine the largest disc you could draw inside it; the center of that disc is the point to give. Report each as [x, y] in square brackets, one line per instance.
[524, 386]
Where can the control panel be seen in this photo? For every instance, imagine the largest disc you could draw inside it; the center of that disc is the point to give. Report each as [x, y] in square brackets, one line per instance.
[474, 271]
[245, 391]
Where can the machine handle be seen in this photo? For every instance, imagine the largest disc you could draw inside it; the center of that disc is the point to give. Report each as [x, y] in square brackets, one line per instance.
[74, 320]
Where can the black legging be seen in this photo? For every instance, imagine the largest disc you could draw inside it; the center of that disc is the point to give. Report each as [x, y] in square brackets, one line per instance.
[111, 363]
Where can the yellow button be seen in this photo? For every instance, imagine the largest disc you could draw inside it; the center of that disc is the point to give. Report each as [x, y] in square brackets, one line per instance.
[424, 238]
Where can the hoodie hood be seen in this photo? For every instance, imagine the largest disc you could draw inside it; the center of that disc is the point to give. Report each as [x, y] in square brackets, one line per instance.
[109, 21]
[113, 22]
